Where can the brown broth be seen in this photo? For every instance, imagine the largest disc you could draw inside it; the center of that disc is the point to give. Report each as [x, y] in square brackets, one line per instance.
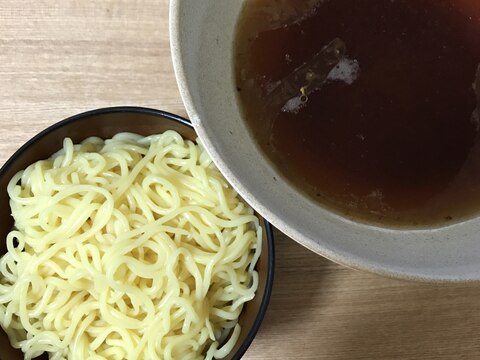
[400, 146]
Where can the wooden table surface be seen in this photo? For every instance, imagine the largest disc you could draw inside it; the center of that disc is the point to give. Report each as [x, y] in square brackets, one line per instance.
[59, 58]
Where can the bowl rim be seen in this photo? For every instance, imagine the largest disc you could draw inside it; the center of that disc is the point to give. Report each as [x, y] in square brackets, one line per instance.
[86, 114]
[181, 120]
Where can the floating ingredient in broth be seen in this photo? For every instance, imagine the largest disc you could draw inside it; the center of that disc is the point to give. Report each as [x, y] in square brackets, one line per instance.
[130, 248]
[305, 79]
[346, 70]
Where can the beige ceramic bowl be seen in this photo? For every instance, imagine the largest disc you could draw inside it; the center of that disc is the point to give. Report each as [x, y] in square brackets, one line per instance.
[202, 34]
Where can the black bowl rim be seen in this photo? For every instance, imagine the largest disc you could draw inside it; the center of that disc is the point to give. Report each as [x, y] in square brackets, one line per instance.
[176, 118]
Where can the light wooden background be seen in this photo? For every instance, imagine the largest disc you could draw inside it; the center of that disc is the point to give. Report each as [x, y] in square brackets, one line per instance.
[58, 58]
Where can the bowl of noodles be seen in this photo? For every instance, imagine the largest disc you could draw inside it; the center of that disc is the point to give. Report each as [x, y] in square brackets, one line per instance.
[124, 241]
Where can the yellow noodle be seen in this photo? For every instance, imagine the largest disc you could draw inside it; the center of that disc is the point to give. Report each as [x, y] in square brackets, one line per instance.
[129, 248]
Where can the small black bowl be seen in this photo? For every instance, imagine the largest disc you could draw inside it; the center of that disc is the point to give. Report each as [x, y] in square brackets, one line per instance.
[105, 123]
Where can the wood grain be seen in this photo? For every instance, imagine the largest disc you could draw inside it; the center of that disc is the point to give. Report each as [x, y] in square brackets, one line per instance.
[58, 58]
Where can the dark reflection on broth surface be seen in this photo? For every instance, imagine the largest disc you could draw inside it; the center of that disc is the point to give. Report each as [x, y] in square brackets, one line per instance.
[394, 141]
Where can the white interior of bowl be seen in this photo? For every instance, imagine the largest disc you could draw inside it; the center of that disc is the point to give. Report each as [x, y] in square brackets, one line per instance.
[202, 35]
